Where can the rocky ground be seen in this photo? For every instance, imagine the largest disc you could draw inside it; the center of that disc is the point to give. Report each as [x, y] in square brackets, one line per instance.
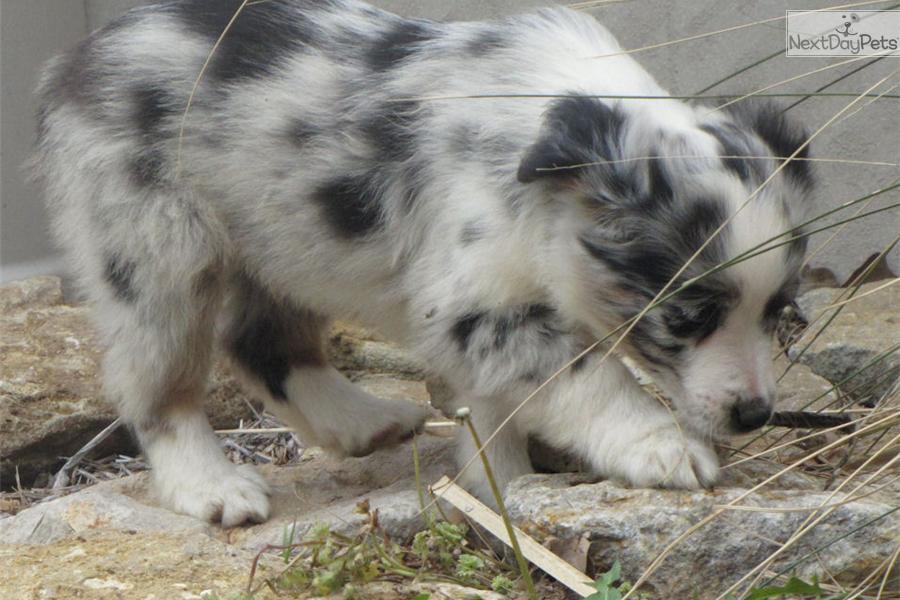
[111, 540]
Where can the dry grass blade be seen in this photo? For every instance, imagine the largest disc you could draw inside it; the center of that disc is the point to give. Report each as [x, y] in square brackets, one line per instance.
[654, 565]
[812, 520]
[842, 161]
[848, 500]
[833, 82]
[701, 36]
[199, 79]
[593, 4]
[852, 290]
[784, 81]
[887, 573]
[701, 96]
[776, 448]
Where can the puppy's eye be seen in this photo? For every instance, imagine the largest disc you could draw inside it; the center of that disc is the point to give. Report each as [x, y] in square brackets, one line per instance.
[697, 323]
[773, 309]
[776, 304]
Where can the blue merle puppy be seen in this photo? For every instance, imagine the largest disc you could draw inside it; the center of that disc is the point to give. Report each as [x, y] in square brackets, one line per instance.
[328, 168]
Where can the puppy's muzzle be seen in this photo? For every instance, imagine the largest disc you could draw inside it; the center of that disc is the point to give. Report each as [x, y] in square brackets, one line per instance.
[748, 414]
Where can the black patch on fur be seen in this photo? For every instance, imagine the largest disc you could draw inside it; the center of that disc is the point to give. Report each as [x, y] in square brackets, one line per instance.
[152, 106]
[503, 325]
[698, 221]
[399, 43]
[650, 248]
[258, 350]
[797, 247]
[391, 130]
[300, 132]
[656, 353]
[207, 281]
[486, 42]
[649, 255]
[261, 37]
[575, 131]
[269, 338]
[471, 232]
[119, 274]
[532, 314]
[579, 364]
[463, 328]
[351, 205]
[782, 135]
[147, 168]
[734, 144]
[660, 189]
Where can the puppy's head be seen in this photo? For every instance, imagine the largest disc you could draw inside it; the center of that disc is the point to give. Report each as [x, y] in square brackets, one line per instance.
[654, 187]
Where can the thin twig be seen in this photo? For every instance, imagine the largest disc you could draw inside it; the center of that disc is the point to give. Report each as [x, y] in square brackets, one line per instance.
[61, 479]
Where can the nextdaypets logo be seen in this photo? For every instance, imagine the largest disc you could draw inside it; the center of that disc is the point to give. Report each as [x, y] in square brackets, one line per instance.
[843, 33]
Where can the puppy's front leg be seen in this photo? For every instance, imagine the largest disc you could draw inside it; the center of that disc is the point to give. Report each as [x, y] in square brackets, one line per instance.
[507, 453]
[599, 411]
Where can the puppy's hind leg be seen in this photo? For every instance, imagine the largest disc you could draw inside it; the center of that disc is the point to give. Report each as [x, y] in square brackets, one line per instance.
[280, 350]
[157, 295]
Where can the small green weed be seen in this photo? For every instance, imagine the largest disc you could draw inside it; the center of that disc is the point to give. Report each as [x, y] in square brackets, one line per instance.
[325, 562]
[795, 588]
[607, 589]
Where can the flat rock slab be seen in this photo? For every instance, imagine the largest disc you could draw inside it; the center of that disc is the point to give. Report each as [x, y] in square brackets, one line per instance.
[117, 565]
[861, 337]
[321, 490]
[634, 525]
[105, 563]
[95, 508]
[113, 541]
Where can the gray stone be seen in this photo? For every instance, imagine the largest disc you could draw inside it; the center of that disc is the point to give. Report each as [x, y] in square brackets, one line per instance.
[325, 490]
[112, 563]
[96, 507]
[863, 331]
[634, 525]
[37, 292]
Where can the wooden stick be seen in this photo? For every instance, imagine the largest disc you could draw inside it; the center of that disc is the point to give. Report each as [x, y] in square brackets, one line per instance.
[809, 420]
[553, 565]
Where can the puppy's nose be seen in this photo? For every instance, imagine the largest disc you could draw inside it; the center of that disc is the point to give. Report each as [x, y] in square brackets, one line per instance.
[748, 414]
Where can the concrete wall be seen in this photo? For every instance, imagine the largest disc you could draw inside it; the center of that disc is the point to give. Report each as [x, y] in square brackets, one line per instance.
[32, 30]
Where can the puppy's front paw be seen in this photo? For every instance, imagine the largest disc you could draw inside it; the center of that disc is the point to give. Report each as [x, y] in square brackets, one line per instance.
[396, 423]
[229, 494]
[669, 458]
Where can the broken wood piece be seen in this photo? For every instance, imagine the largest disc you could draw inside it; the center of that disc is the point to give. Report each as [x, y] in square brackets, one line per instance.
[553, 565]
[441, 428]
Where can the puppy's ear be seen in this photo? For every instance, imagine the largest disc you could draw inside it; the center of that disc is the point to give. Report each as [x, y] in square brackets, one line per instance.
[782, 135]
[576, 132]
